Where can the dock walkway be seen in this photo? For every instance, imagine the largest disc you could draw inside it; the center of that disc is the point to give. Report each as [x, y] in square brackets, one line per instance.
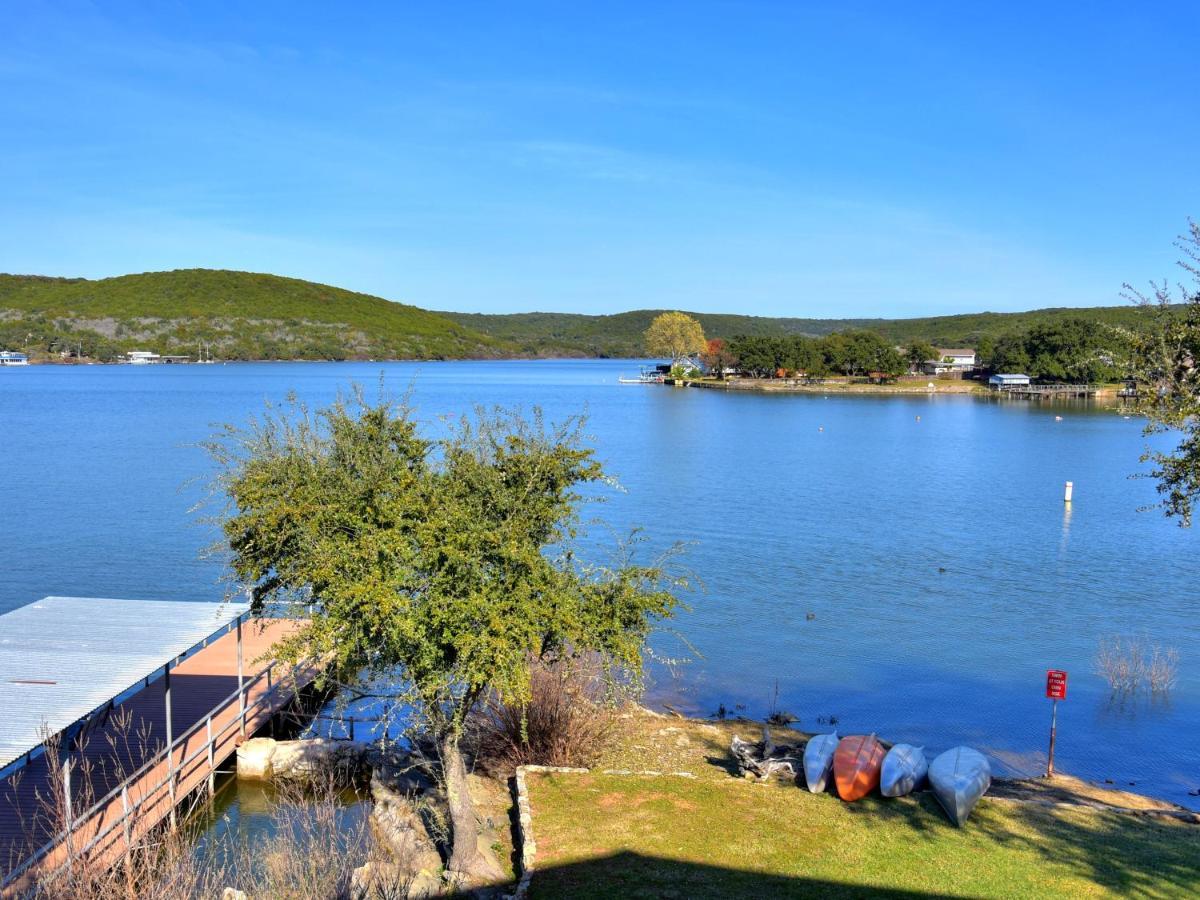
[116, 774]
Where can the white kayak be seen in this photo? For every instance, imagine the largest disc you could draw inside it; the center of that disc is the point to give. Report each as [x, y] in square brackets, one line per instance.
[959, 777]
[818, 761]
[903, 770]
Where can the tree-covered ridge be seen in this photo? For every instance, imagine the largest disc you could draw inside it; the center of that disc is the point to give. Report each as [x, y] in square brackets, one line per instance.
[621, 335]
[242, 315]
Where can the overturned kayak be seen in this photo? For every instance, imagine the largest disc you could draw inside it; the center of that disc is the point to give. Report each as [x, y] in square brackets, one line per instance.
[903, 770]
[959, 777]
[856, 765]
[818, 761]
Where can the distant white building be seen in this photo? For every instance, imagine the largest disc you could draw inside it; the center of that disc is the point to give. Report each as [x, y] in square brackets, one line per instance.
[950, 361]
[142, 357]
[13, 358]
[1009, 380]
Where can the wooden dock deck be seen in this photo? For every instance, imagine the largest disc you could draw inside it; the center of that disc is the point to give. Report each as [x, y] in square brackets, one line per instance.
[118, 773]
[1048, 391]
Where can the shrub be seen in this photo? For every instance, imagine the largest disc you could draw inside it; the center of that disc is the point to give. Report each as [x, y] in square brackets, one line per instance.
[1128, 663]
[568, 720]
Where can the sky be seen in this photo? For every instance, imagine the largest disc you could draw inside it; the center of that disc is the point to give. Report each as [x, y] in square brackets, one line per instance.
[784, 159]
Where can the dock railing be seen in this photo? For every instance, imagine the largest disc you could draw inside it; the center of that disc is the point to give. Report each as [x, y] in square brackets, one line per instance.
[137, 815]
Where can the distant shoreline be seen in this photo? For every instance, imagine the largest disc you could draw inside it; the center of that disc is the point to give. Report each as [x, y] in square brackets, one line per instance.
[910, 387]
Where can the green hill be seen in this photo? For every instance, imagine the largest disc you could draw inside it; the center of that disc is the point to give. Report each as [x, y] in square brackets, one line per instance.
[242, 315]
[620, 335]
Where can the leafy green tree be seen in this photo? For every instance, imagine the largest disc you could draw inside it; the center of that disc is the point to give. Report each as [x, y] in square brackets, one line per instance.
[917, 352]
[675, 335]
[1167, 370]
[1010, 356]
[443, 565]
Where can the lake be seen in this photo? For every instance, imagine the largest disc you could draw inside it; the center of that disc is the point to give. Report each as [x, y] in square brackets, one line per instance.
[910, 577]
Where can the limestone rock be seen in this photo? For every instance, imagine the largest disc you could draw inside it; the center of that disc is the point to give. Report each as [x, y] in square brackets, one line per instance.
[233, 894]
[384, 879]
[254, 758]
[312, 756]
[401, 830]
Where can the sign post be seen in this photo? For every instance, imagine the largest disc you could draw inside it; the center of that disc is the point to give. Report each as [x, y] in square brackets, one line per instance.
[1056, 689]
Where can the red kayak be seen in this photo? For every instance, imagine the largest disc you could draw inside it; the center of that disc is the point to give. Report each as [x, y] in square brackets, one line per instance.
[856, 765]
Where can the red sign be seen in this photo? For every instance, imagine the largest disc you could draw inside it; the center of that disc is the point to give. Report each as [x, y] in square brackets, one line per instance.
[1056, 684]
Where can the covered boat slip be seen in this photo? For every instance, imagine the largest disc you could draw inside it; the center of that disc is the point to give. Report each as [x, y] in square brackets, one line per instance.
[117, 681]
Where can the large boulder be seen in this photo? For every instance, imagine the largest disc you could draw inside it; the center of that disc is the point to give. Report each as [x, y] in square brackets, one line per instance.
[315, 756]
[254, 759]
[264, 758]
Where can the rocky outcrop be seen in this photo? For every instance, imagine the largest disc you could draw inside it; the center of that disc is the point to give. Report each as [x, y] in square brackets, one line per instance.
[263, 759]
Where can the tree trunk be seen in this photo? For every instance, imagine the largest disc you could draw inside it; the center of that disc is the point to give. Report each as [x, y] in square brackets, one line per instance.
[467, 858]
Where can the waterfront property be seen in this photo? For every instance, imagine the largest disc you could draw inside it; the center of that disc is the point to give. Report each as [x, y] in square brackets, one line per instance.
[143, 357]
[950, 362]
[13, 358]
[116, 711]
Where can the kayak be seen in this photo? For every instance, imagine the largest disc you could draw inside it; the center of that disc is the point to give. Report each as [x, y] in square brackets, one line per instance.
[959, 777]
[903, 770]
[856, 765]
[818, 760]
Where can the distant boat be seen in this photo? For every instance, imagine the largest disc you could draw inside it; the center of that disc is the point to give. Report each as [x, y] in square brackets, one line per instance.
[856, 765]
[959, 777]
[647, 376]
[12, 358]
[818, 761]
[904, 768]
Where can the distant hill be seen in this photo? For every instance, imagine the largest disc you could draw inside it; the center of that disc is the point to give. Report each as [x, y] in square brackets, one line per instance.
[242, 315]
[620, 335]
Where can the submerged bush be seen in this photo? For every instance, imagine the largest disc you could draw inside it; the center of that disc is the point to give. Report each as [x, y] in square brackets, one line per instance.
[1128, 663]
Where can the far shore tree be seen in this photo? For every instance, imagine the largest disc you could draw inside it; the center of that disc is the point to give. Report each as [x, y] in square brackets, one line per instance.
[440, 569]
[1167, 372]
[718, 357]
[917, 352]
[676, 336]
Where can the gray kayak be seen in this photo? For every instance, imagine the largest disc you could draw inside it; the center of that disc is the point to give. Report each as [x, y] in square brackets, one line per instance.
[818, 760]
[903, 770]
[959, 777]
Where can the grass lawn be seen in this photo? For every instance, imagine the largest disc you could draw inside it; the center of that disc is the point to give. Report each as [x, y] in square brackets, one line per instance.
[634, 836]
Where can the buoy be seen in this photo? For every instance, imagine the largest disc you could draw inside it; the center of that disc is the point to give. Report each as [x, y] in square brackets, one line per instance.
[821, 428]
[918, 418]
[1058, 418]
[1068, 490]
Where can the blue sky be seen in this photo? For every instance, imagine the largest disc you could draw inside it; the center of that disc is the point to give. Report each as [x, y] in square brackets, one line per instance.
[767, 158]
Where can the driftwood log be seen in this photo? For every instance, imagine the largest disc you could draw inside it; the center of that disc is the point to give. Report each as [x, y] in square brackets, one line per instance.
[758, 758]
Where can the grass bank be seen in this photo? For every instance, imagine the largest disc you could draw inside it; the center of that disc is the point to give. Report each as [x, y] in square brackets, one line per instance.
[715, 835]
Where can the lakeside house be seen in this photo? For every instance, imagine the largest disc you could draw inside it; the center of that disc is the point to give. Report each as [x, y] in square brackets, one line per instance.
[13, 358]
[1001, 381]
[142, 357]
[950, 361]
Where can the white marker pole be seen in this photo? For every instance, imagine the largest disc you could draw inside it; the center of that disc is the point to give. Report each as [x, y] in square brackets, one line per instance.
[1068, 490]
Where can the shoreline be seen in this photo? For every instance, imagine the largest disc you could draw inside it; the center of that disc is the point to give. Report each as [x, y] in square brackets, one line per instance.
[912, 388]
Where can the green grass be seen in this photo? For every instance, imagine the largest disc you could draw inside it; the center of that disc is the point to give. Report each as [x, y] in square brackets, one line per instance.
[605, 836]
[243, 314]
[620, 335]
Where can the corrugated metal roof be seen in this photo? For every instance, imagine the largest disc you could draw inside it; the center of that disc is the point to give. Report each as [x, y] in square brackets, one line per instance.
[62, 657]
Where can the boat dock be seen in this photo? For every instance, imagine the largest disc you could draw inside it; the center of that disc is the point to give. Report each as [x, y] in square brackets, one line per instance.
[1048, 391]
[117, 712]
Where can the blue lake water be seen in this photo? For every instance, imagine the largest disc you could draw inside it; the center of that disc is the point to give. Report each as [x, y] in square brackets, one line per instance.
[941, 571]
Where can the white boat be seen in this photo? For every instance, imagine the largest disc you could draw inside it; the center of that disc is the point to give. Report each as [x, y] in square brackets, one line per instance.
[13, 358]
[904, 768]
[959, 777]
[818, 761]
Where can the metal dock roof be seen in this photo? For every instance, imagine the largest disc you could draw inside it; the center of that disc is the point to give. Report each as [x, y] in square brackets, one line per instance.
[63, 657]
